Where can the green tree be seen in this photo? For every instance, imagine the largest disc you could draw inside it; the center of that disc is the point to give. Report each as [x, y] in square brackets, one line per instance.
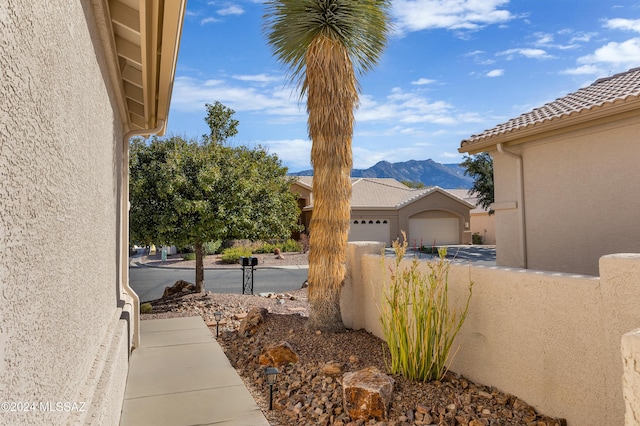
[221, 122]
[189, 193]
[326, 44]
[480, 168]
[413, 184]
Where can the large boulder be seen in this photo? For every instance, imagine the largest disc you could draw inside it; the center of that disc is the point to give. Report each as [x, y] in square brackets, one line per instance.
[250, 324]
[278, 355]
[181, 286]
[367, 394]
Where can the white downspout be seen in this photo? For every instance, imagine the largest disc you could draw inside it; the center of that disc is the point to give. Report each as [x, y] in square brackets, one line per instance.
[124, 230]
[520, 184]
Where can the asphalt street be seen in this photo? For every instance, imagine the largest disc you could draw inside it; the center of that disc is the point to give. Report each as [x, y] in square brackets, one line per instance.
[149, 282]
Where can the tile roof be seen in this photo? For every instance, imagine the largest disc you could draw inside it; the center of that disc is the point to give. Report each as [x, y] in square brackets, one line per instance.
[603, 92]
[383, 193]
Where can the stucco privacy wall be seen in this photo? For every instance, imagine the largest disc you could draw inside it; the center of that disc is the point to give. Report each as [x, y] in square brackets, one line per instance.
[61, 336]
[552, 339]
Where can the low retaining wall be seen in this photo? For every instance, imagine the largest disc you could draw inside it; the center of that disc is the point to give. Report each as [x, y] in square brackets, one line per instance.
[552, 339]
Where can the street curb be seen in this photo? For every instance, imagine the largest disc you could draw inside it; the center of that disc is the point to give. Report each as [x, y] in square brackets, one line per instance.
[145, 265]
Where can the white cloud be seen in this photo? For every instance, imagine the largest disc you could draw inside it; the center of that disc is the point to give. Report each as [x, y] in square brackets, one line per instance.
[619, 55]
[209, 20]
[526, 52]
[257, 78]
[543, 39]
[295, 153]
[423, 81]
[190, 95]
[233, 9]
[583, 70]
[417, 15]
[406, 107]
[495, 73]
[623, 24]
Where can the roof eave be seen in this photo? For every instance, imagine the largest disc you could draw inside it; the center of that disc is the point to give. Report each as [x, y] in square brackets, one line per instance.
[555, 125]
[142, 38]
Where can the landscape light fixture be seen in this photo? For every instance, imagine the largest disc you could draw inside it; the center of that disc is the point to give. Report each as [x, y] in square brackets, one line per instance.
[218, 316]
[272, 374]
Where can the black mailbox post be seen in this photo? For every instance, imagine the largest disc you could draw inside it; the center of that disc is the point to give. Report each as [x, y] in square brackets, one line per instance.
[248, 267]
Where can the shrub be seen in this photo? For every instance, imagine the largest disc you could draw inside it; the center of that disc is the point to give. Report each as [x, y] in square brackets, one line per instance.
[212, 247]
[418, 324]
[189, 256]
[286, 246]
[146, 308]
[476, 238]
[290, 245]
[266, 248]
[233, 254]
[429, 249]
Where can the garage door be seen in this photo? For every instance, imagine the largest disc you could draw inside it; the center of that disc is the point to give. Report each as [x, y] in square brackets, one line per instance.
[444, 231]
[370, 230]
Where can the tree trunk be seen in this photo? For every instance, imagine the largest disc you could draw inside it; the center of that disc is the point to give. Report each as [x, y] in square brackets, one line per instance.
[199, 268]
[331, 99]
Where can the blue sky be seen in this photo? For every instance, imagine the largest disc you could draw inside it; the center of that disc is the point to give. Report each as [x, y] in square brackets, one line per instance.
[452, 68]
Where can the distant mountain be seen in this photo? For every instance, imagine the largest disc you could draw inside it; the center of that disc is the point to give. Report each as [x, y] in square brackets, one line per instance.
[429, 172]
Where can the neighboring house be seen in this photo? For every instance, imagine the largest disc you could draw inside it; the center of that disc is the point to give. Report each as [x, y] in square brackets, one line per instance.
[482, 223]
[78, 79]
[382, 208]
[566, 178]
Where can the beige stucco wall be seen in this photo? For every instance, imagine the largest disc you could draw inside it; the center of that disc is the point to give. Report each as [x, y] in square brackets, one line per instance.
[485, 226]
[580, 197]
[552, 339]
[61, 334]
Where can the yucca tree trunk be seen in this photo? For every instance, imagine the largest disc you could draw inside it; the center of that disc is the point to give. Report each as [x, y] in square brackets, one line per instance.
[332, 97]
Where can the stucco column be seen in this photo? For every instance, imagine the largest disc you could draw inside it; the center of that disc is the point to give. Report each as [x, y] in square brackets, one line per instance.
[352, 298]
[620, 286]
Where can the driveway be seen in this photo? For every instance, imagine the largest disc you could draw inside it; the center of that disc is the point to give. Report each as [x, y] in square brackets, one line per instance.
[477, 254]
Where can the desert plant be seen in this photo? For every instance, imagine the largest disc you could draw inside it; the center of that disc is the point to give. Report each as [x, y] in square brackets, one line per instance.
[418, 324]
[233, 254]
[146, 308]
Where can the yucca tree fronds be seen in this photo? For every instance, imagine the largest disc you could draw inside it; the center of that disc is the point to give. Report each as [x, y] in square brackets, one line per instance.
[361, 27]
[326, 44]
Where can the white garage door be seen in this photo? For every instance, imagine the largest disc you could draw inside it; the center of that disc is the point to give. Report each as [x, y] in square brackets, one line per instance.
[370, 230]
[443, 231]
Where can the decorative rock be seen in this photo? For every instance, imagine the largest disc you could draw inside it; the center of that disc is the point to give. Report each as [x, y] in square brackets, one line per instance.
[249, 325]
[422, 409]
[278, 355]
[367, 394]
[181, 286]
[279, 255]
[485, 394]
[427, 419]
[332, 368]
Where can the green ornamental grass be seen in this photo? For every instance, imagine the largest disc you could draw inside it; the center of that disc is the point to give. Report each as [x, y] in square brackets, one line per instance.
[418, 323]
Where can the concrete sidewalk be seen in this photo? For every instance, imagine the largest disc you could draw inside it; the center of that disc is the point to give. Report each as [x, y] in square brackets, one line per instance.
[180, 376]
